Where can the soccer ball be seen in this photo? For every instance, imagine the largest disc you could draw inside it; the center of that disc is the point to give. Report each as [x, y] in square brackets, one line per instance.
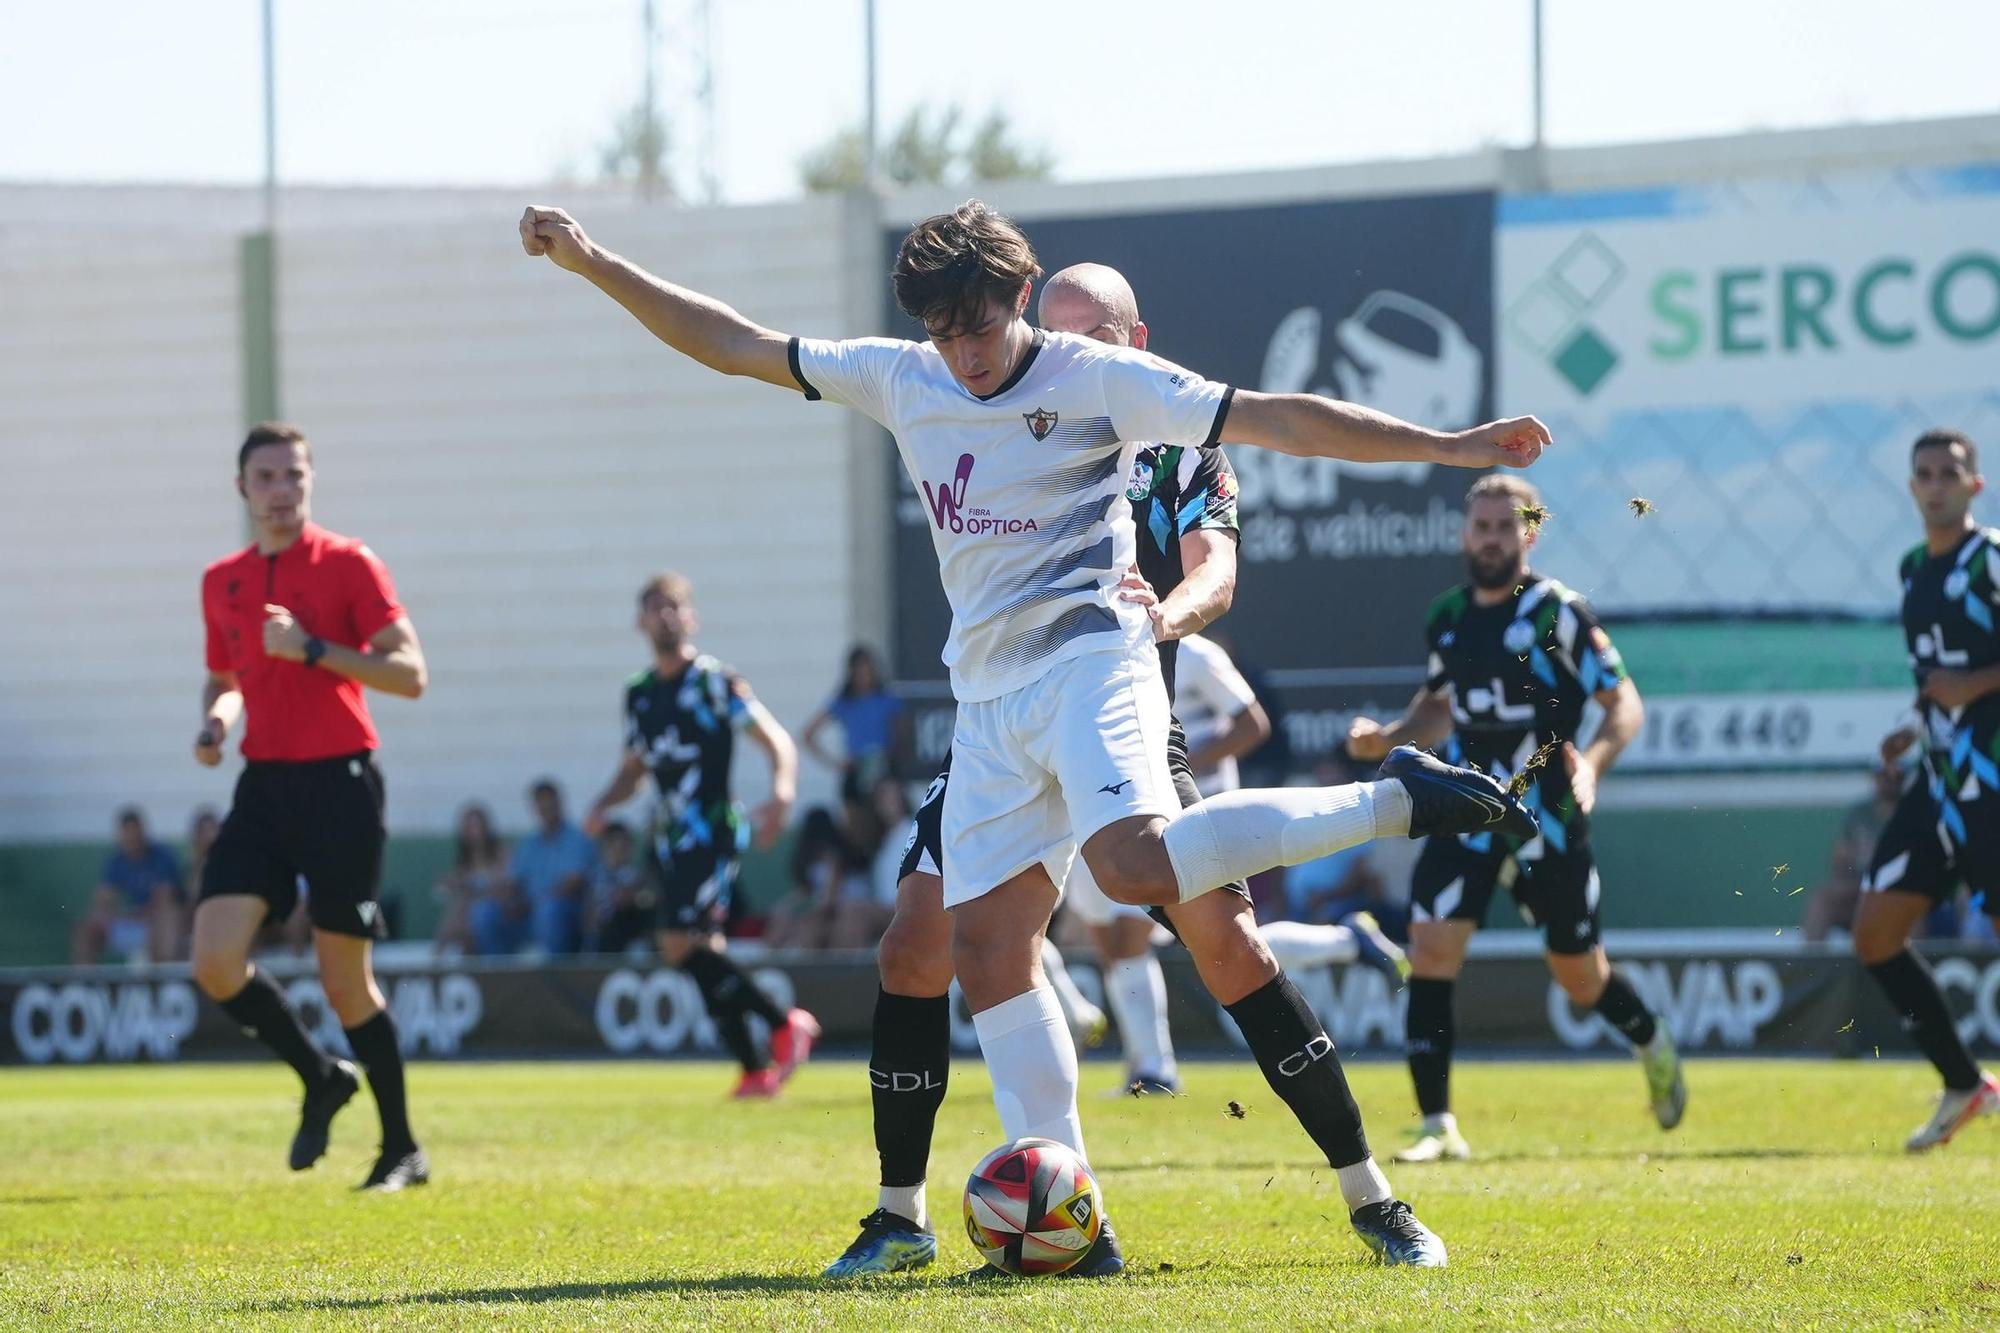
[1032, 1208]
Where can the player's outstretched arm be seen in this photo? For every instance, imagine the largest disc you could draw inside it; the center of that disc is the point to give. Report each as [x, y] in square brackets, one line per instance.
[768, 820]
[1425, 723]
[1314, 427]
[695, 325]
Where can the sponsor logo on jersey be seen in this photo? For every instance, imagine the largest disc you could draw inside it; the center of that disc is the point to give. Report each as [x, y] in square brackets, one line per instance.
[1518, 637]
[948, 500]
[1141, 483]
[1956, 582]
[1040, 422]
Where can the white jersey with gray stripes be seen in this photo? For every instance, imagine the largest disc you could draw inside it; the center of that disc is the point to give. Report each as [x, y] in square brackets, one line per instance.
[1023, 489]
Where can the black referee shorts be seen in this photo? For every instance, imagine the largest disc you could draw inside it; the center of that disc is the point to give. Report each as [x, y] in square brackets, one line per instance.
[319, 821]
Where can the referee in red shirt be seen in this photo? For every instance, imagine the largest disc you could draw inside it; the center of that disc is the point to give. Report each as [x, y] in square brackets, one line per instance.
[298, 623]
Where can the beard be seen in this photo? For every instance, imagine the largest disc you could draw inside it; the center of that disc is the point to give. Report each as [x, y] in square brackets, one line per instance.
[1492, 571]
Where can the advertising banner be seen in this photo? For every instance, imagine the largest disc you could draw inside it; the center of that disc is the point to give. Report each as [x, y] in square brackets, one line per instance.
[1753, 359]
[1723, 1000]
[1386, 302]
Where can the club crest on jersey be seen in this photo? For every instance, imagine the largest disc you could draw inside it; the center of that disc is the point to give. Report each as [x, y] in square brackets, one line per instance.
[1040, 422]
[1518, 637]
[1956, 582]
[1141, 484]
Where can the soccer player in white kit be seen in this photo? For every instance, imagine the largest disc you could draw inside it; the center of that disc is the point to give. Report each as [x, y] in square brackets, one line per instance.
[1020, 443]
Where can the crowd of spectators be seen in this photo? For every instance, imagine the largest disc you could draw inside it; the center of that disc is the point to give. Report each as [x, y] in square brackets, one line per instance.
[559, 889]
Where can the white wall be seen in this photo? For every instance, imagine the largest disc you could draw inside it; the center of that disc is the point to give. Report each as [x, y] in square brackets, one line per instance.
[518, 450]
[523, 455]
[120, 411]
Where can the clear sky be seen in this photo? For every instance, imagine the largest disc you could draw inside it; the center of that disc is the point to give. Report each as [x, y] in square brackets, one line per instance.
[518, 91]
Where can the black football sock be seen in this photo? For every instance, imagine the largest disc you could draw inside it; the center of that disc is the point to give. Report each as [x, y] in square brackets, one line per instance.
[908, 1064]
[1302, 1067]
[1429, 1030]
[726, 991]
[264, 1012]
[1621, 1007]
[734, 986]
[374, 1044]
[1914, 991]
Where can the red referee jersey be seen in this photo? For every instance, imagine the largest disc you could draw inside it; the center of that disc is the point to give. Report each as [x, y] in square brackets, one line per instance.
[338, 590]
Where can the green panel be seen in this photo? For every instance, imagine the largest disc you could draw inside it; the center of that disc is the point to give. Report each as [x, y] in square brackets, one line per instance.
[1730, 656]
[259, 324]
[1685, 868]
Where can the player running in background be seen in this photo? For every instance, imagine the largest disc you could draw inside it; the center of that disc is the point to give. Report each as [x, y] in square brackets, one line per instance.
[1514, 656]
[1946, 827]
[298, 623]
[1224, 721]
[681, 719]
[1061, 711]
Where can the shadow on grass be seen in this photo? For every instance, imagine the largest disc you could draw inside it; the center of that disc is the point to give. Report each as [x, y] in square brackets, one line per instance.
[748, 1284]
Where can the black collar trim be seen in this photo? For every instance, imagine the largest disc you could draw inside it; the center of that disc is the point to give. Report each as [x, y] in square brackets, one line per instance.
[1027, 360]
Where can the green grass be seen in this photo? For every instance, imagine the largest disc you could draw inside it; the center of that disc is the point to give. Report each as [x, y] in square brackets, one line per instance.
[616, 1195]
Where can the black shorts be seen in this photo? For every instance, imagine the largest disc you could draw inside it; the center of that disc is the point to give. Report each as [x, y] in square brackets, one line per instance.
[923, 849]
[319, 821]
[697, 886]
[1557, 891]
[1929, 846]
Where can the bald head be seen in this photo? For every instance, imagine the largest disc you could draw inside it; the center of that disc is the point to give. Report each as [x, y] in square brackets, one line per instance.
[1093, 300]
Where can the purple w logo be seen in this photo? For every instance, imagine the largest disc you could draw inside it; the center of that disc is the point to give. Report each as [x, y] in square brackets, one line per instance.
[946, 501]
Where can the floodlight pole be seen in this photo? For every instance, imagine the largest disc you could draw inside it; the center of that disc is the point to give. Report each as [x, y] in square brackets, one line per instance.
[1538, 144]
[270, 124]
[870, 128]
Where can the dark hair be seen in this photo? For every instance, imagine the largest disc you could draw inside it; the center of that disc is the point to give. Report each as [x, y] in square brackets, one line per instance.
[132, 814]
[952, 266]
[489, 842]
[1944, 439]
[614, 828]
[668, 584]
[819, 833]
[548, 785]
[270, 432]
[856, 655]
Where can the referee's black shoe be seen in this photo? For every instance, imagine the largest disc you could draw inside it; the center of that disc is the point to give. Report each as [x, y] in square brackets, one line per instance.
[309, 1144]
[398, 1168]
[1447, 799]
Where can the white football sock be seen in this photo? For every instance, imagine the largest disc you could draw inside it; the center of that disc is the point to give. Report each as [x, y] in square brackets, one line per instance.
[1033, 1064]
[1444, 1122]
[906, 1201]
[1298, 946]
[1363, 1184]
[1136, 990]
[1236, 834]
[1081, 1013]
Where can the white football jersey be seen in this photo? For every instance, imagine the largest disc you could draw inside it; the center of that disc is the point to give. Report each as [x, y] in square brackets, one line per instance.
[1209, 693]
[1025, 487]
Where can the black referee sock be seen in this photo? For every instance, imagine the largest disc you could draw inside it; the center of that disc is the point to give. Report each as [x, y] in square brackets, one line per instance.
[264, 1012]
[374, 1044]
[729, 993]
[1914, 991]
[1302, 1067]
[909, 1062]
[1621, 1007]
[1429, 1030]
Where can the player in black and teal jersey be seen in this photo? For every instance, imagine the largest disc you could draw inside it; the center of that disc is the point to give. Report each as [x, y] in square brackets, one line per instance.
[1514, 658]
[681, 719]
[1946, 827]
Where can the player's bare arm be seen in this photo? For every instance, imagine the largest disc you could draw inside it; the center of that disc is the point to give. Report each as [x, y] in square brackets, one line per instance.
[1314, 427]
[1208, 556]
[695, 325]
[1246, 731]
[1425, 724]
[1624, 715]
[623, 785]
[393, 664]
[221, 709]
[1948, 688]
[767, 821]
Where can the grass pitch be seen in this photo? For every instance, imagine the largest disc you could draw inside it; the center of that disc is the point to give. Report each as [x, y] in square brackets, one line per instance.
[621, 1195]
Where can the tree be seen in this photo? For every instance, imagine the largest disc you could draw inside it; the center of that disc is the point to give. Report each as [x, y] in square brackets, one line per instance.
[926, 148]
[637, 151]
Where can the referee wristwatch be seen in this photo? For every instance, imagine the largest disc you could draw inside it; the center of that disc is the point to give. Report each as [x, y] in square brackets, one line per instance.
[315, 649]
